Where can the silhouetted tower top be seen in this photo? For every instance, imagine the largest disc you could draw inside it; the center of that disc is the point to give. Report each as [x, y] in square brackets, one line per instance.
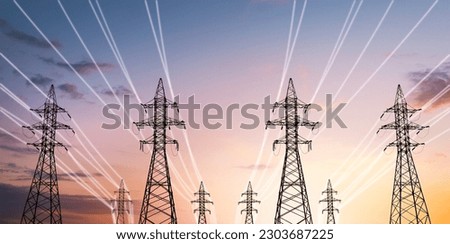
[202, 201]
[330, 203]
[158, 205]
[293, 203]
[43, 205]
[121, 205]
[249, 201]
[408, 204]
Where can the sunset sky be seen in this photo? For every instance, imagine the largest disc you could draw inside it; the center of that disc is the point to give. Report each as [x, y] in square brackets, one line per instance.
[229, 53]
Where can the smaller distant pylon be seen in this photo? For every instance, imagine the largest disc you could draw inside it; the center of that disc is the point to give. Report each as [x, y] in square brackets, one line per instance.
[249, 200]
[330, 203]
[202, 201]
[121, 205]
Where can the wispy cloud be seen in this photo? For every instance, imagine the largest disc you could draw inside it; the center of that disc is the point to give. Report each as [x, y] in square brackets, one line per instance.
[8, 143]
[67, 176]
[431, 86]
[253, 166]
[441, 155]
[270, 1]
[15, 172]
[118, 91]
[78, 209]
[31, 40]
[17, 149]
[40, 80]
[82, 67]
[25, 38]
[12, 168]
[71, 90]
[3, 23]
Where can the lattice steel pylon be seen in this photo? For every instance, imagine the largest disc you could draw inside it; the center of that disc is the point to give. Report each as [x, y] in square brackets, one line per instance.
[329, 199]
[43, 205]
[158, 206]
[293, 204]
[121, 205]
[249, 201]
[202, 201]
[408, 201]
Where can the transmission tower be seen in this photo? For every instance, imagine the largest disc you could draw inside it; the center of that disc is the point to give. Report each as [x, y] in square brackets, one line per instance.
[201, 200]
[293, 205]
[121, 205]
[330, 203]
[158, 206]
[43, 205]
[249, 200]
[408, 202]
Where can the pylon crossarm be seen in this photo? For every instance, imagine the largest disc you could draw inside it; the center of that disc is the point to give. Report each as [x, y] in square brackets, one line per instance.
[303, 105]
[390, 126]
[412, 144]
[30, 128]
[57, 109]
[415, 126]
[61, 126]
[307, 123]
[412, 110]
[173, 105]
[140, 125]
[389, 110]
[36, 145]
[175, 122]
[279, 104]
[415, 145]
[144, 142]
[275, 142]
[276, 122]
[202, 210]
[249, 201]
[171, 141]
[50, 142]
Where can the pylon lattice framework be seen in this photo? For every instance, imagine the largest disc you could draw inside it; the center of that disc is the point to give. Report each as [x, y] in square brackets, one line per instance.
[408, 204]
[158, 206]
[202, 201]
[329, 199]
[249, 201]
[121, 205]
[43, 204]
[293, 204]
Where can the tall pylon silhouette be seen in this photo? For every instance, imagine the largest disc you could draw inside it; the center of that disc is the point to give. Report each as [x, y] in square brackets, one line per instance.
[329, 199]
[249, 201]
[158, 205]
[43, 205]
[121, 205]
[293, 204]
[408, 202]
[202, 201]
